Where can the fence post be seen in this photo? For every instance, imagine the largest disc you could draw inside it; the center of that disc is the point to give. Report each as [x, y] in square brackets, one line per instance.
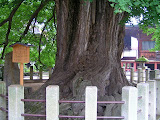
[52, 102]
[31, 72]
[40, 73]
[152, 74]
[50, 72]
[152, 99]
[139, 75]
[143, 75]
[1, 74]
[124, 70]
[129, 109]
[147, 74]
[143, 93]
[91, 103]
[15, 105]
[158, 95]
[2, 100]
[132, 75]
[156, 73]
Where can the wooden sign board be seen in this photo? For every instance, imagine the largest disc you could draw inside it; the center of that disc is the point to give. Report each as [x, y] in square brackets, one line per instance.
[20, 53]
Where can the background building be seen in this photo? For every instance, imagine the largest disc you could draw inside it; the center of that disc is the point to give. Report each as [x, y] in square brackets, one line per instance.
[137, 44]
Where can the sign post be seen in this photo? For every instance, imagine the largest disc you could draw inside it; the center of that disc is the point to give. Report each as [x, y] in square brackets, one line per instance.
[20, 55]
[21, 74]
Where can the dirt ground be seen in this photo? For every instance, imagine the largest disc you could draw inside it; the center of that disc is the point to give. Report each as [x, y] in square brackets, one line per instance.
[35, 86]
[36, 83]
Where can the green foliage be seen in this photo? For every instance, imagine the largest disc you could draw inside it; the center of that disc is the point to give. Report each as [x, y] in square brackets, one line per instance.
[148, 9]
[19, 23]
[155, 33]
[147, 12]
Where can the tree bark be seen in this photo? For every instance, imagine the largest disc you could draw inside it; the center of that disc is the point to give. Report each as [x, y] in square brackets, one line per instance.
[89, 43]
[11, 73]
[89, 48]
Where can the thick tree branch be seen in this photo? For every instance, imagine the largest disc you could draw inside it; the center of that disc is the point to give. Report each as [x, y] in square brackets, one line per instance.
[33, 16]
[35, 20]
[54, 17]
[7, 36]
[40, 41]
[9, 27]
[11, 14]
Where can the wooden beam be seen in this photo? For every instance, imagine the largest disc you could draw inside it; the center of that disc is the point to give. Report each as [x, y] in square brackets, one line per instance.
[21, 74]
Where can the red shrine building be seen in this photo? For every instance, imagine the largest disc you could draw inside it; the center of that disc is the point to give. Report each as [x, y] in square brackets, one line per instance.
[137, 44]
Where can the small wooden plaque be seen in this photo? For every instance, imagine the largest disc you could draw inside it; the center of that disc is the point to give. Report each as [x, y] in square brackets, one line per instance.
[20, 53]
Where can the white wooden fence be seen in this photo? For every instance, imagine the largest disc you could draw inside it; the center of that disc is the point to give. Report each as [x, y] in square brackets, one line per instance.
[142, 75]
[138, 103]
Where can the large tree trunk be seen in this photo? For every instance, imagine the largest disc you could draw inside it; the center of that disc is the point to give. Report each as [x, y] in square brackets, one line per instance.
[89, 43]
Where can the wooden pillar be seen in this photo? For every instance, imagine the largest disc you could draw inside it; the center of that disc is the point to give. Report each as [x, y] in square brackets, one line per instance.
[124, 70]
[50, 72]
[135, 66]
[121, 64]
[21, 74]
[147, 74]
[155, 65]
[139, 75]
[127, 64]
[40, 73]
[31, 72]
[132, 75]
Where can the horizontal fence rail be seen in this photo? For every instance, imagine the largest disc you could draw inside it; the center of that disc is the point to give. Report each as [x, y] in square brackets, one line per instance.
[99, 102]
[111, 102]
[69, 101]
[33, 115]
[139, 111]
[110, 117]
[98, 117]
[140, 97]
[32, 100]
[4, 96]
[67, 116]
[3, 109]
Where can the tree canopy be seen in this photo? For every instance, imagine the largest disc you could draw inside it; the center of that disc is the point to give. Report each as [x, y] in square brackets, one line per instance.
[34, 22]
[147, 13]
[29, 21]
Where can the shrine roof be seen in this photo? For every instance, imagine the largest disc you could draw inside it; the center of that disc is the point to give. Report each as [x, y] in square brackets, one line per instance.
[27, 45]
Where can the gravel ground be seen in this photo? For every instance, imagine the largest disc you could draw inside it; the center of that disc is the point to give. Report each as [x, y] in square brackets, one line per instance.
[35, 86]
